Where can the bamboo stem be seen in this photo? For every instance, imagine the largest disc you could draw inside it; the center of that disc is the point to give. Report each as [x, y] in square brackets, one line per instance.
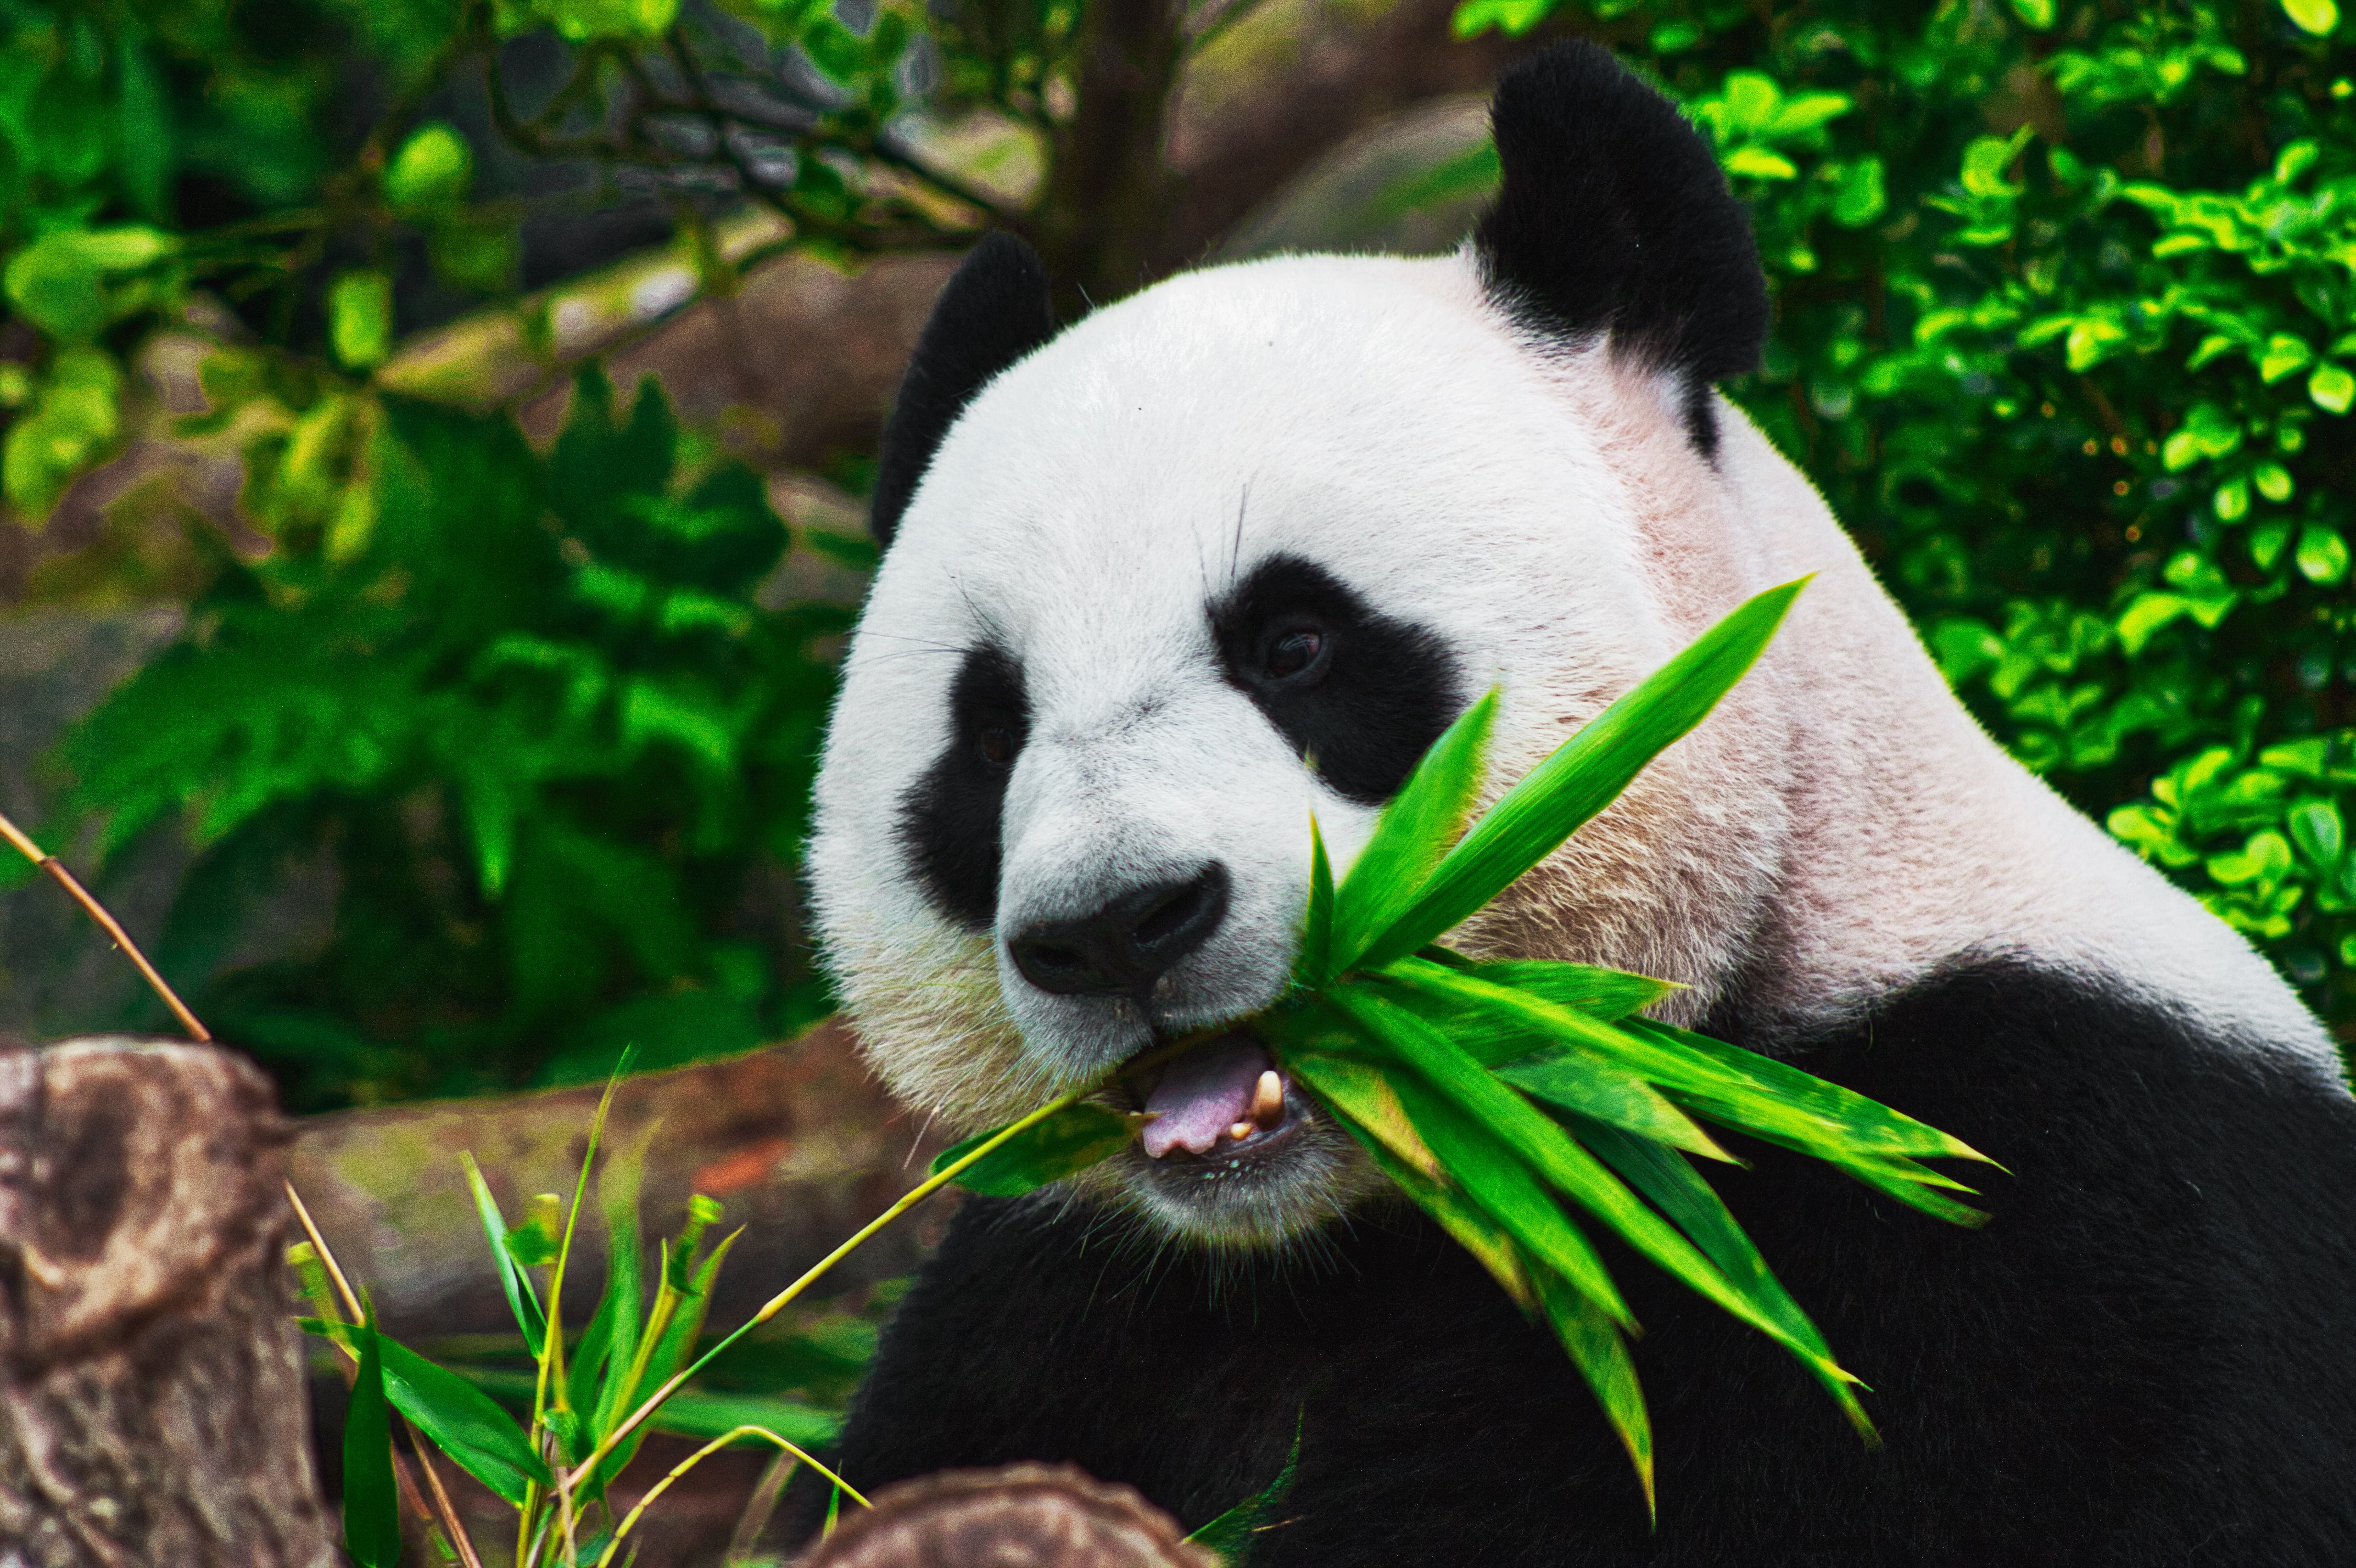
[65, 879]
[684, 1465]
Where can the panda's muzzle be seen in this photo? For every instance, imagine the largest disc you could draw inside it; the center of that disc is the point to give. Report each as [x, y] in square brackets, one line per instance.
[1124, 947]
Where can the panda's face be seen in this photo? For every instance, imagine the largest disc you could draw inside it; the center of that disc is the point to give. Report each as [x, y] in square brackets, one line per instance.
[1222, 558]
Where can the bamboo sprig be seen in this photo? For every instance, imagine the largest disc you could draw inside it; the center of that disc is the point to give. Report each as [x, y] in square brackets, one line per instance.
[441, 1505]
[107, 923]
[779, 1302]
[684, 1465]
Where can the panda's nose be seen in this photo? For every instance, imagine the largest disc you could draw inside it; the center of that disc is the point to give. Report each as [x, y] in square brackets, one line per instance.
[1123, 947]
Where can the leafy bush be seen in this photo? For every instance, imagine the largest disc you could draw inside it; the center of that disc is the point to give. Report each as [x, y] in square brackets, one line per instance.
[2066, 332]
[559, 752]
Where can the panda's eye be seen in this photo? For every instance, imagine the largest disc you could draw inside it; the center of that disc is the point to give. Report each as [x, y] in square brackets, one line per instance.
[1294, 653]
[997, 744]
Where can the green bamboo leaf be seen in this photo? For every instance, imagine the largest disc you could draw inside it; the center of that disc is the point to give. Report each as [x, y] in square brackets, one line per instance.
[1361, 1093]
[669, 1353]
[602, 1400]
[1568, 1169]
[521, 1299]
[1412, 834]
[371, 1508]
[1315, 965]
[1230, 1535]
[1605, 995]
[1494, 1176]
[462, 1421]
[688, 1413]
[1600, 1352]
[1914, 1186]
[1074, 1139]
[1742, 1089]
[1581, 778]
[1463, 1220]
[1678, 1191]
[708, 1415]
[1842, 1121]
[589, 1357]
[1613, 1096]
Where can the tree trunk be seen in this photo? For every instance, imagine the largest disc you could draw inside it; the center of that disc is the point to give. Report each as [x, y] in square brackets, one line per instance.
[151, 1380]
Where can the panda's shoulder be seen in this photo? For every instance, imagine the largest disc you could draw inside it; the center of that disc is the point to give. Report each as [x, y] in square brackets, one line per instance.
[2095, 1091]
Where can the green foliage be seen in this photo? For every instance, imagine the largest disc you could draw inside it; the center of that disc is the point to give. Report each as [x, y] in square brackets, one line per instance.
[533, 709]
[371, 1508]
[1501, 1097]
[590, 1397]
[159, 153]
[2066, 332]
[1231, 1533]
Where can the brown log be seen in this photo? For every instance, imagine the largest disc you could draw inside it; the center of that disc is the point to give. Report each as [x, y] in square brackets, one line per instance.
[151, 1377]
[798, 1142]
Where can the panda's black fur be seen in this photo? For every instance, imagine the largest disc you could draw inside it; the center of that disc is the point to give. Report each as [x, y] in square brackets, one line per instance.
[2148, 1357]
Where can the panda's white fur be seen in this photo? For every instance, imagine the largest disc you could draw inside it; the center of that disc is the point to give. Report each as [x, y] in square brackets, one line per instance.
[1839, 828]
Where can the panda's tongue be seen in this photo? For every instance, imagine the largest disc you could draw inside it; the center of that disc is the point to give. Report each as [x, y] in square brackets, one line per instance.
[1203, 1094]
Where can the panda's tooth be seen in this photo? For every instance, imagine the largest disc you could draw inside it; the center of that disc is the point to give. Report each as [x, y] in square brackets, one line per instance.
[1267, 1099]
[1240, 1131]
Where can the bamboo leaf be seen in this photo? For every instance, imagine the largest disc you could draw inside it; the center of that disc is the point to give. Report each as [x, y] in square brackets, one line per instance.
[1600, 1350]
[1914, 1186]
[1603, 995]
[602, 1400]
[371, 1508]
[1473, 1230]
[1363, 1094]
[1315, 965]
[1494, 1175]
[1412, 834]
[1551, 1154]
[591, 1354]
[1839, 1121]
[1074, 1139]
[1741, 1088]
[522, 1300]
[462, 1420]
[1613, 1096]
[1230, 1535]
[669, 1353]
[1678, 1191]
[1581, 778]
[1494, 1039]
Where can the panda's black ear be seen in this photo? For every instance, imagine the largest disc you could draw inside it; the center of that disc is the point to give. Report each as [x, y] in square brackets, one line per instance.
[1615, 220]
[993, 312]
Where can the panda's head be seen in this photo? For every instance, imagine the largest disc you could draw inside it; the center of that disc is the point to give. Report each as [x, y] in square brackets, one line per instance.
[1234, 552]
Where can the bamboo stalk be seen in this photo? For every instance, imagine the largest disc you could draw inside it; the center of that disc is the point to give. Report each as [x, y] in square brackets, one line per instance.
[65, 879]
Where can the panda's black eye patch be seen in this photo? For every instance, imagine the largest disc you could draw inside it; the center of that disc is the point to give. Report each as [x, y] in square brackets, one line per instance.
[1362, 693]
[951, 819]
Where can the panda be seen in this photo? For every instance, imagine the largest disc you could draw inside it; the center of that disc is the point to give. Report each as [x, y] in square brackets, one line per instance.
[1162, 585]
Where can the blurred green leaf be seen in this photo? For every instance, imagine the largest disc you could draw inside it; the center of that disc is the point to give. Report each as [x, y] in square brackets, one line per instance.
[2317, 16]
[371, 1506]
[1073, 1139]
[434, 169]
[359, 317]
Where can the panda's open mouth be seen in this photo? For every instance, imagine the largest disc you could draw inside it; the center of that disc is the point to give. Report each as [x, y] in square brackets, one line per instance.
[1222, 1101]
